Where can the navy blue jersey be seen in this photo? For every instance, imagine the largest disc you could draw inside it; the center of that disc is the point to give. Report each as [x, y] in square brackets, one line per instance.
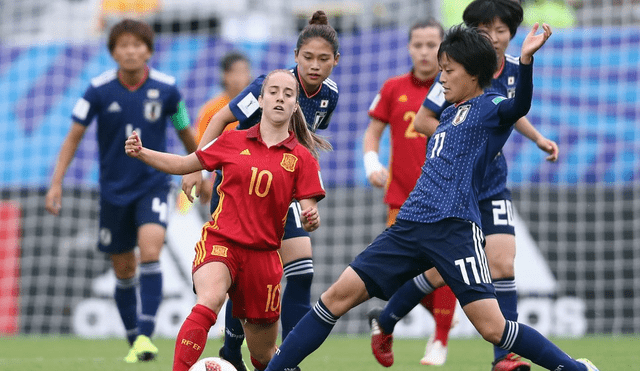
[119, 111]
[317, 108]
[466, 141]
[505, 84]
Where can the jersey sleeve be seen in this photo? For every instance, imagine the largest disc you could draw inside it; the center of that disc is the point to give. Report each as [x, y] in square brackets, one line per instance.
[245, 105]
[510, 110]
[212, 154]
[434, 100]
[309, 179]
[173, 101]
[86, 107]
[380, 107]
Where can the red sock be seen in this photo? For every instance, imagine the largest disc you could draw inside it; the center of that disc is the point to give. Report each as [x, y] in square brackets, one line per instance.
[444, 306]
[193, 337]
[259, 366]
[427, 301]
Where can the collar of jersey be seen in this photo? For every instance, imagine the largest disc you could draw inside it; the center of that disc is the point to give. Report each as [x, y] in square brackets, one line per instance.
[416, 81]
[302, 85]
[254, 133]
[138, 85]
[499, 71]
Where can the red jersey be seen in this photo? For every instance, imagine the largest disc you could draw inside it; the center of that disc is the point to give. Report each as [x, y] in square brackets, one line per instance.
[258, 184]
[397, 104]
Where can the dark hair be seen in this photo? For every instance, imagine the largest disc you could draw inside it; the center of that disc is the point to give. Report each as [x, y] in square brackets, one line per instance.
[230, 59]
[312, 141]
[473, 50]
[480, 12]
[319, 27]
[137, 28]
[426, 23]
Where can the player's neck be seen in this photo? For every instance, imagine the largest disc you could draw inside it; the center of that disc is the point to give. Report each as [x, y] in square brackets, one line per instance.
[500, 67]
[273, 134]
[132, 80]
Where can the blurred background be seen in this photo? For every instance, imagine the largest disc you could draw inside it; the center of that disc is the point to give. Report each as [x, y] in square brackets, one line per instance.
[578, 220]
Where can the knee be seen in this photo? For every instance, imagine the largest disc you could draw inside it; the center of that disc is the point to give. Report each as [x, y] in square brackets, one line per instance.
[212, 300]
[490, 333]
[502, 268]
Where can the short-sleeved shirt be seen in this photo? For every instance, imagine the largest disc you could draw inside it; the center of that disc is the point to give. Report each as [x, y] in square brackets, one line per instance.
[504, 83]
[257, 185]
[397, 104]
[208, 110]
[468, 138]
[119, 111]
[317, 107]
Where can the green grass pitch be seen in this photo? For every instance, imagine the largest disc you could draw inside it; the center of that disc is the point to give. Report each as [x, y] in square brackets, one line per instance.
[36, 353]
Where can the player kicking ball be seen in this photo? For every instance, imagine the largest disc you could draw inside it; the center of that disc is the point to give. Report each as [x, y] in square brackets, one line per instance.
[439, 224]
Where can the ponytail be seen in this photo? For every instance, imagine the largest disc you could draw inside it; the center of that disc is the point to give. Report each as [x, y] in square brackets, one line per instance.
[312, 141]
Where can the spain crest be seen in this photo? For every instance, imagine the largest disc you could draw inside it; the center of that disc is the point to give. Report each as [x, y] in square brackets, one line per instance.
[289, 162]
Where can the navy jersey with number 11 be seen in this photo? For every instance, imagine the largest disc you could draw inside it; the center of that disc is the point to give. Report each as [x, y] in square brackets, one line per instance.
[467, 139]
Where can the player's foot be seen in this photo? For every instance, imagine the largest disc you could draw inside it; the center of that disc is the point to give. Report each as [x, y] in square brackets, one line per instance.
[435, 354]
[132, 356]
[238, 364]
[145, 349]
[381, 343]
[510, 362]
[586, 362]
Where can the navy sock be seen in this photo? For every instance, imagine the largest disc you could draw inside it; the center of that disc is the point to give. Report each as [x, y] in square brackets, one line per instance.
[529, 343]
[233, 335]
[403, 301]
[150, 296]
[312, 330]
[127, 302]
[296, 298]
[508, 300]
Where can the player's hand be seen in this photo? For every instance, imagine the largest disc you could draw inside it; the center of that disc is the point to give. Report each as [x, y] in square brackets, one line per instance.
[550, 147]
[133, 145]
[310, 219]
[533, 42]
[189, 181]
[378, 178]
[53, 199]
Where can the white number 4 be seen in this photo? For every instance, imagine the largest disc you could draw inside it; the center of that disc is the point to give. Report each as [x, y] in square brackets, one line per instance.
[160, 208]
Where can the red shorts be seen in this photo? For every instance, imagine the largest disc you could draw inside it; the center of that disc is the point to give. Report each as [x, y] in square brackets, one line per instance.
[255, 275]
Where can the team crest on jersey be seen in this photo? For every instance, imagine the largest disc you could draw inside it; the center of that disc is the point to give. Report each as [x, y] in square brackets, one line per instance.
[324, 103]
[152, 110]
[318, 119]
[461, 115]
[153, 93]
[217, 250]
[511, 80]
[289, 162]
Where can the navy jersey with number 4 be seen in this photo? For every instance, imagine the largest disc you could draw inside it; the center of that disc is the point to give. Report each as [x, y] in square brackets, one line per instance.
[317, 108]
[505, 84]
[466, 141]
[119, 111]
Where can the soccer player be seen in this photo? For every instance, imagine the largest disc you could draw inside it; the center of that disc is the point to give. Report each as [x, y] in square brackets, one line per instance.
[396, 105]
[133, 196]
[236, 75]
[316, 54]
[500, 20]
[262, 169]
[438, 225]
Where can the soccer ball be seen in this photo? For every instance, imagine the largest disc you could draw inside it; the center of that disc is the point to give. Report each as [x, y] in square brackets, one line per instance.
[212, 364]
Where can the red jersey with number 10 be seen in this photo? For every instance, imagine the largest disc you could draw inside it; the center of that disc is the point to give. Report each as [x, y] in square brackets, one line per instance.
[397, 105]
[258, 184]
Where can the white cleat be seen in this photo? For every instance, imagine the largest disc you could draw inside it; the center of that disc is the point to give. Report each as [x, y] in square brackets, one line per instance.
[435, 354]
[586, 362]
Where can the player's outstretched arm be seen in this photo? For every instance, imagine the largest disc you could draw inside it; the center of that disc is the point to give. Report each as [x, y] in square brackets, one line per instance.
[524, 127]
[533, 42]
[166, 162]
[217, 124]
[53, 198]
[310, 216]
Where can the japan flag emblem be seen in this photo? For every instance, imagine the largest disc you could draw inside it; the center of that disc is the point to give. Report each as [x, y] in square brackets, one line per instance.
[461, 115]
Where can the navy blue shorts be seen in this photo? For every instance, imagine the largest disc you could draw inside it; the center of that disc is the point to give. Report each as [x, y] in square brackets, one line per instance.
[119, 224]
[293, 227]
[406, 249]
[496, 213]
